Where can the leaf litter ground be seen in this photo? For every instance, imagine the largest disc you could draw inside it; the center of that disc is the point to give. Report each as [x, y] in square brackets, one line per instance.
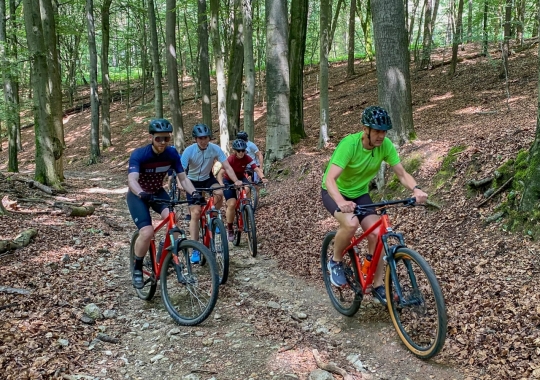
[489, 277]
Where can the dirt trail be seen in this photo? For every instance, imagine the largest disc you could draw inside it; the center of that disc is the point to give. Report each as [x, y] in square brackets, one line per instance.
[265, 326]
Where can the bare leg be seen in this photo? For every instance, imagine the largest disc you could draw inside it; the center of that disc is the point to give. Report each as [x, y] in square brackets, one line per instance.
[348, 224]
[195, 211]
[230, 213]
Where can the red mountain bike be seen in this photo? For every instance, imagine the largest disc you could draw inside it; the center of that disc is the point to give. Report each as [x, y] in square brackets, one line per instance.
[414, 297]
[244, 220]
[213, 234]
[189, 291]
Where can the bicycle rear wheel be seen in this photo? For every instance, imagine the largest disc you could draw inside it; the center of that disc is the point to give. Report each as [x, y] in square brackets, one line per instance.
[346, 299]
[251, 229]
[189, 291]
[149, 278]
[220, 248]
[420, 317]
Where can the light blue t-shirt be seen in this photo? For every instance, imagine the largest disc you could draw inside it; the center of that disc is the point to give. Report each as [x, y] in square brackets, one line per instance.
[251, 150]
[198, 163]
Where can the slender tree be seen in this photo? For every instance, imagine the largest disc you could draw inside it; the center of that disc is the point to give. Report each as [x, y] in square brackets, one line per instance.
[278, 139]
[43, 129]
[94, 100]
[172, 76]
[220, 74]
[393, 77]
[350, 50]
[249, 69]
[485, 29]
[505, 48]
[365, 23]
[457, 39]
[334, 23]
[323, 69]
[469, 21]
[297, 50]
[15, 76]
[158, 102]
[235, 71]
[105, 78]
[204, 64]
[426, 51]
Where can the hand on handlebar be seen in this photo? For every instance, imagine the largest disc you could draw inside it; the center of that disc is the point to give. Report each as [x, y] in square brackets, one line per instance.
[146, 197]
[346, 207]
[239, 183]
[421, 197]
[263, 180]
[197, 198]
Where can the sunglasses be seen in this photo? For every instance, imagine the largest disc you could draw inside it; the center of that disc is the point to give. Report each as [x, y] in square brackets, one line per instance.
[160, 139]
[240, 150]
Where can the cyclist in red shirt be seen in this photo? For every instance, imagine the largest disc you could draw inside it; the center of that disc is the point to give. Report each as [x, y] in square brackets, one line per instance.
[239, 161]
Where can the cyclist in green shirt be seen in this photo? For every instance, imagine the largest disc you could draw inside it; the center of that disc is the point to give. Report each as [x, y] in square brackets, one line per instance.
[353, 165]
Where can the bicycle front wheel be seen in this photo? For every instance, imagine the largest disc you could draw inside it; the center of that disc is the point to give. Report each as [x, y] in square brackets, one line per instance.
[149, 278]
[251, 229]
[189, 291]
[220, 248]
[420, 315]
[347, 298]
[254, 195]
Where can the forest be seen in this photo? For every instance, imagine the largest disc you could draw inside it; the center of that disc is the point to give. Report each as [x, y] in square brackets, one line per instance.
[81, 81]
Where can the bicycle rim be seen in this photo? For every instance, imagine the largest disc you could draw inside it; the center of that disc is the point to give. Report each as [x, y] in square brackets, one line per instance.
[220, 248]
[420, 320]
[251, 229]
[346, 299]
[189, 291]
[150, 284]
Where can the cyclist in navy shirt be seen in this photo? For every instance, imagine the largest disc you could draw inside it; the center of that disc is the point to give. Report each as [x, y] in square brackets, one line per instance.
[199, 159]
[148, 167]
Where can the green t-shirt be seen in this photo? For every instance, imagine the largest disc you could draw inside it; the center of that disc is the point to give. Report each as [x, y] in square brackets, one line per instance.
[359, 164]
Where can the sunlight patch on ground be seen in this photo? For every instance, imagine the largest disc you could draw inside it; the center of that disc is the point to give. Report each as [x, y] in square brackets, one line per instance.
[426, 107]
[99, 190]
[468, 111]
[514, 99]
[448, 95]
[299, 361]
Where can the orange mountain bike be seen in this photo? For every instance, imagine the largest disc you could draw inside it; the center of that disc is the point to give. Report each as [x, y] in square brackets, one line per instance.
[414, 297]
[189, 291]
[244, 220]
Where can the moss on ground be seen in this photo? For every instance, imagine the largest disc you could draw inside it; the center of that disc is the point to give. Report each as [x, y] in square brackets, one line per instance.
[447, 169]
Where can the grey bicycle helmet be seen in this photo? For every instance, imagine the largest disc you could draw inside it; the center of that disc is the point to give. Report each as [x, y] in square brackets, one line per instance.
[159, 126]
[201, 130]
[377, 118]
[239, 144]
[242, 135]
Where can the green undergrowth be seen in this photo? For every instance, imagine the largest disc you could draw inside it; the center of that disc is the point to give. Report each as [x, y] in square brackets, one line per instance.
[516, 170]
[447, 170]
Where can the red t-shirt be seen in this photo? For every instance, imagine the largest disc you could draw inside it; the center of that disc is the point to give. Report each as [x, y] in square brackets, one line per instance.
[239, 165]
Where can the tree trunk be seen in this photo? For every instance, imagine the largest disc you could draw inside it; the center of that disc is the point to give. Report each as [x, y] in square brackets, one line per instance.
[426, 51]
[323, 69]
[235, 72]
[44, 133]
[350, 50]
[392, 57]
[278, 139]
[94, 100]
[520, 21]
[55, 83]
[297, 49]
[144, 59]
[105, 79]
[204, 64]
[158, 99]
[172, 76]
[220, 74]
[412, 18]
[11, 107]
[365, 22]
[334, 24]
[457, 39]
[531, 188]
[249, 70]
[469, 21]
[15, 79]
[506, 42]
[485, 29]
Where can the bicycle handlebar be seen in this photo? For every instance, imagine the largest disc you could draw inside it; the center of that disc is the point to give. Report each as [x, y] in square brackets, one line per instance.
[359, 210]
[171, 202]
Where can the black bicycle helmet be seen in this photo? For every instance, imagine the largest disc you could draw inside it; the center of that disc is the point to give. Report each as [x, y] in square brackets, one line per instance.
[242, 135]
[239, 144]
[377, 118]
[159, 125]
[201, 130]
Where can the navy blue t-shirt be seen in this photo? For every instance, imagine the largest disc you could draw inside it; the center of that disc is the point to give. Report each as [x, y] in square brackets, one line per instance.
[153, 167]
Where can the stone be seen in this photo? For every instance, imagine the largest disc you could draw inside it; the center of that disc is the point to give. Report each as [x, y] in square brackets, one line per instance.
[273, 305]
[93, 311]
[319, 374]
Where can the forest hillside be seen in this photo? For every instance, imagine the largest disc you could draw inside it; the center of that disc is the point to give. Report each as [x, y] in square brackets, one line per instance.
[467, 127]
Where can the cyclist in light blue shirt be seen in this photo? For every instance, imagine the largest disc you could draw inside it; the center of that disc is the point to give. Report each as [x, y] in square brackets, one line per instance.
[198, 160]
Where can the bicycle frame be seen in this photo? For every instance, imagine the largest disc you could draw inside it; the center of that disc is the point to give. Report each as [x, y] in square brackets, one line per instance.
[241, 201]
[205, 217]
[385, 231]
[169, 239]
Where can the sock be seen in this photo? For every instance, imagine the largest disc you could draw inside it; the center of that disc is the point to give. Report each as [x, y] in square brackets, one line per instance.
[229, 226]
[138, 263]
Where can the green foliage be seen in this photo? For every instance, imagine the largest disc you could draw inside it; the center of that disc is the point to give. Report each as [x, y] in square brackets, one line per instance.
[411, 164]
[295, 138]
[447, 166]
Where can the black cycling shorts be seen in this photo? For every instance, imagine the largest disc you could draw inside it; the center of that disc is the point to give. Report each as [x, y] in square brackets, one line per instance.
[207, 183]
[331, 205]
[231, 193]
[140, 210]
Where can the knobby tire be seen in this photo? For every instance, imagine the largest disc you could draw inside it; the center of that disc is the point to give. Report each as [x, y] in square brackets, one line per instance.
[219, 246]
[251, 229]
[150, 283]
